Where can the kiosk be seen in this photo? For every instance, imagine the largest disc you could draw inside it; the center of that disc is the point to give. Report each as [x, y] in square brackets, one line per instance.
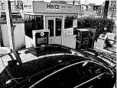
[60, 19]
[82, 38]
[40, 37]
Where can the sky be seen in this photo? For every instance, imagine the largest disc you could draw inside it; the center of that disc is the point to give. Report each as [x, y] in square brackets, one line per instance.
[97, 2]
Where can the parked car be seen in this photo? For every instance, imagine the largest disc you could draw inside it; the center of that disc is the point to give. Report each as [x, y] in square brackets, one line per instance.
[54, 66]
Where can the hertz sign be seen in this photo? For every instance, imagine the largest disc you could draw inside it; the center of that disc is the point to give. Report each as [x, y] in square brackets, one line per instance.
[49, 6]
[44, 7]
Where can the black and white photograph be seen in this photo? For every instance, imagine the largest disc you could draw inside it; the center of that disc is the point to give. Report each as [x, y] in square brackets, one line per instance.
[58, 43]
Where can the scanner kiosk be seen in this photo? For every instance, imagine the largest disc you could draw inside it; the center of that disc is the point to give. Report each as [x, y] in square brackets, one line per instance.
[60, 19]
[82, 38]
[40, 37]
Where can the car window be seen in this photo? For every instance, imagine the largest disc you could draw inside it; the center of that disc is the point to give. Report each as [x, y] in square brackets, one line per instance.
[70, 77]
[93, 75]
[73, 76]
[67, 78]
[90, 69]
[34, 53]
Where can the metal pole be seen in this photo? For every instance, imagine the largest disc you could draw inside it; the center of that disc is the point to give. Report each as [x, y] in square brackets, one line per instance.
[105, 14]
[11, 31]
[73, 2]
[10, 25]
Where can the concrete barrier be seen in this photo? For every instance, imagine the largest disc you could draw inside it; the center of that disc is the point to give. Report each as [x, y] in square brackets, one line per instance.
[19, 35]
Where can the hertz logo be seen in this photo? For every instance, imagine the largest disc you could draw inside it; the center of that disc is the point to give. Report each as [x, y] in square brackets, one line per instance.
[53, 6]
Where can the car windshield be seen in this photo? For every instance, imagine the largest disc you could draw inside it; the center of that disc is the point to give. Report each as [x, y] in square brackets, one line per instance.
[36, 53]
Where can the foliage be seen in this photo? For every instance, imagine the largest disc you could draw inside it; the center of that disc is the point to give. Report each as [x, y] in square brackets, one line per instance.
[17, 20]
[96, 23]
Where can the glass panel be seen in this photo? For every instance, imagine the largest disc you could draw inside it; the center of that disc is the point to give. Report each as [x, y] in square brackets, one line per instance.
[67, 78]
[69, 21]
[33, 22]
[89, 70]
[74, 76]
[58, 26]
[51, 27]
[39, 22]
[29, 24]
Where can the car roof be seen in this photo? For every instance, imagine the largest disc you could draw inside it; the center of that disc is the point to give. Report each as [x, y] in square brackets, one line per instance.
[32, 54]
[48, 62]
[36, 52]
[48, 58]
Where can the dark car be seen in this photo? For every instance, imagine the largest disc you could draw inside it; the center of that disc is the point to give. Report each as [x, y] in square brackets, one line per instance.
[106, 58]
[54, 66]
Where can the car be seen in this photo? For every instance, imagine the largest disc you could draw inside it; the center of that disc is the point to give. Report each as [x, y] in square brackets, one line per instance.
[54, 66]
[106, 58]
